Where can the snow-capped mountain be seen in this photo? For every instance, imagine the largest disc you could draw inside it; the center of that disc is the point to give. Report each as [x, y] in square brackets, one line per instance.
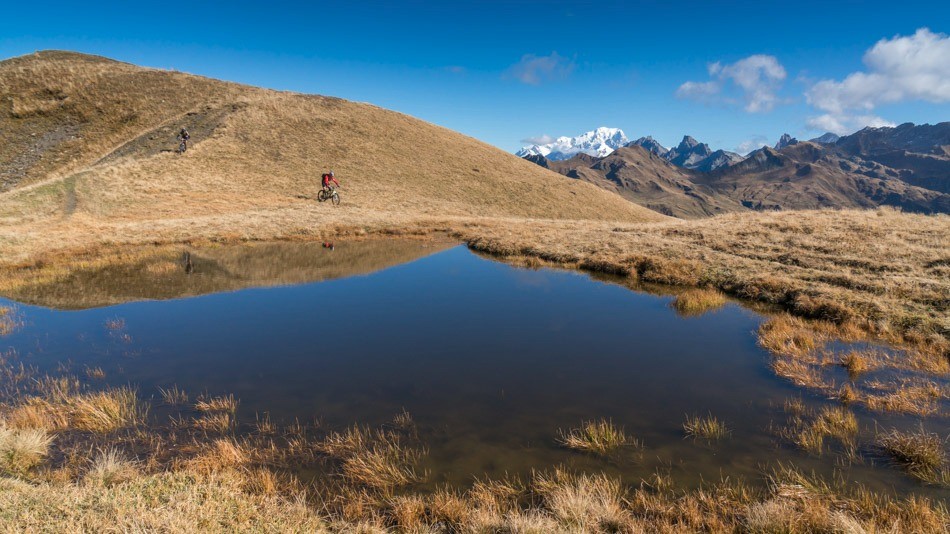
[784, 141]
[650, 144]
[689, 153]
[826, 139]
[597, 143]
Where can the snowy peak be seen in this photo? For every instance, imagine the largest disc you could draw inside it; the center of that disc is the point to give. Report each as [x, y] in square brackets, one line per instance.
[784, 141]
[826, 139]
[651, 145]
[597, 143]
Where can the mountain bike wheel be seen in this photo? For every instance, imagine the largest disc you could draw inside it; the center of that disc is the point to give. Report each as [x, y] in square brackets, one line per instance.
[321, 195]
[336, 198]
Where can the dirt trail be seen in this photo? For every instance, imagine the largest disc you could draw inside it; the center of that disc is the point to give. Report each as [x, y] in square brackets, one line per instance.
[200, 124]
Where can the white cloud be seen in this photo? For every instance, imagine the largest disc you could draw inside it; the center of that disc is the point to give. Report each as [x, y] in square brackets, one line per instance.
[915, 67]
[757, 77]
[542, 139]
[844, 124]
[757, 142]
[903, 68]
[533, 69]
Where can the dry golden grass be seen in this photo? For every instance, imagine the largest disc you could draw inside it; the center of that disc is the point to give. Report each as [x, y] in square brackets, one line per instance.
[708, 428]
[22, 449]
[226, 403]
[598, 437]
[698, 301]
[922, 454]
[95, 373]
[809, 429]
[173, 396]
[377, 460]
[174, 502]
[8, 321]
[219, 422]
[99, 411]
[110, 467]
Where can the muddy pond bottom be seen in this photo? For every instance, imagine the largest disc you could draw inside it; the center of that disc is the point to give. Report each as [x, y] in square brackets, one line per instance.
[490, 360]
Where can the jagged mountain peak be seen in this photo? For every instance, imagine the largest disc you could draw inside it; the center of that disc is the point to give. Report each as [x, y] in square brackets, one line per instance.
[784, 141]
[651, 145]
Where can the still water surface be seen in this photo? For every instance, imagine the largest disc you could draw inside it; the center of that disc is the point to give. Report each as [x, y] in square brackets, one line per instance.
[489, 359]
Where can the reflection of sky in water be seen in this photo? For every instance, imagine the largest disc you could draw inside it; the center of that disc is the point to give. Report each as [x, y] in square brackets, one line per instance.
[490, 360]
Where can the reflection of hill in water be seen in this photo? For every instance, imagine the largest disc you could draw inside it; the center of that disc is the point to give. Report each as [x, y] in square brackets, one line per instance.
[163, 275]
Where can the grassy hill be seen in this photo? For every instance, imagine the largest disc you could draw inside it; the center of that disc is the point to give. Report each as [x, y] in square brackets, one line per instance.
[86, 155]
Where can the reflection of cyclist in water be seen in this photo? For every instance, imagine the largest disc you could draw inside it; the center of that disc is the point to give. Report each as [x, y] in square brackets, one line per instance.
[183, 138]
[327, 178]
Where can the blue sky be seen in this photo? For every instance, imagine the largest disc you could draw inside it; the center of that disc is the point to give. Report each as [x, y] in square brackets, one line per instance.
[504, 72]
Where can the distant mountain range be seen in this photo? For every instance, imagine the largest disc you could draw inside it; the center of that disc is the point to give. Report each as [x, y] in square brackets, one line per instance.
[907, 166]
[598, 143]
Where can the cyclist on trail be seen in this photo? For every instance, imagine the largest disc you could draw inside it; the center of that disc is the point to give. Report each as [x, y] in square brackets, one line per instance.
[327, 178]
[183, 137]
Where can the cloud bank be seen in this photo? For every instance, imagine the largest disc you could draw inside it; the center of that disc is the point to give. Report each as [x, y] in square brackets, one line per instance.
[757, 78]
[915, 67]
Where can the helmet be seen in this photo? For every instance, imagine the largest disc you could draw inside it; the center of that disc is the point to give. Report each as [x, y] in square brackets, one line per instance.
[331, 173]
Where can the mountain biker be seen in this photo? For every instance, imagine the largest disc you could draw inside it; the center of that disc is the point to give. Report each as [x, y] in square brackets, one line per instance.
[327, 178]
[184, 137]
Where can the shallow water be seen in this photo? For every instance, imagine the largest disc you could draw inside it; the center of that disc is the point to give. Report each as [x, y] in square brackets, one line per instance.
[490, 360]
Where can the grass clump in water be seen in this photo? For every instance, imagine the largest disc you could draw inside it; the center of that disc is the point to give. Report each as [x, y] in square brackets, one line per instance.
[100, 411]
[173, 396]
[598, 437]
[698, 301]
[922, 454]
[708, 428]
[8, 321]
[222, 404]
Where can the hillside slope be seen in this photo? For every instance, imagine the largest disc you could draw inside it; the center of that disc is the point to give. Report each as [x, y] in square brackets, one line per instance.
[86, 154]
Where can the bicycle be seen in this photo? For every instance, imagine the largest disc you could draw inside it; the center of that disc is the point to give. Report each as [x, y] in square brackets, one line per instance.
[182, 145]
[332, 195]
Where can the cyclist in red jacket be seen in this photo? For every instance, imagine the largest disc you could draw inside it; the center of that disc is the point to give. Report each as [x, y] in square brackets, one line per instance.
[327, 178]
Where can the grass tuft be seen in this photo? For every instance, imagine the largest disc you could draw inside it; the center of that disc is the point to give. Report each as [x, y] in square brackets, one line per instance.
[173, 396]
[599, 437]
[110, 467]
[22, 449]
[226, 403]
[708, 428]
[922, 454]
[698, 301]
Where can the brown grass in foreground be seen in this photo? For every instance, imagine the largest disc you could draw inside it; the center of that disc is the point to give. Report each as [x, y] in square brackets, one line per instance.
[181, 479]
